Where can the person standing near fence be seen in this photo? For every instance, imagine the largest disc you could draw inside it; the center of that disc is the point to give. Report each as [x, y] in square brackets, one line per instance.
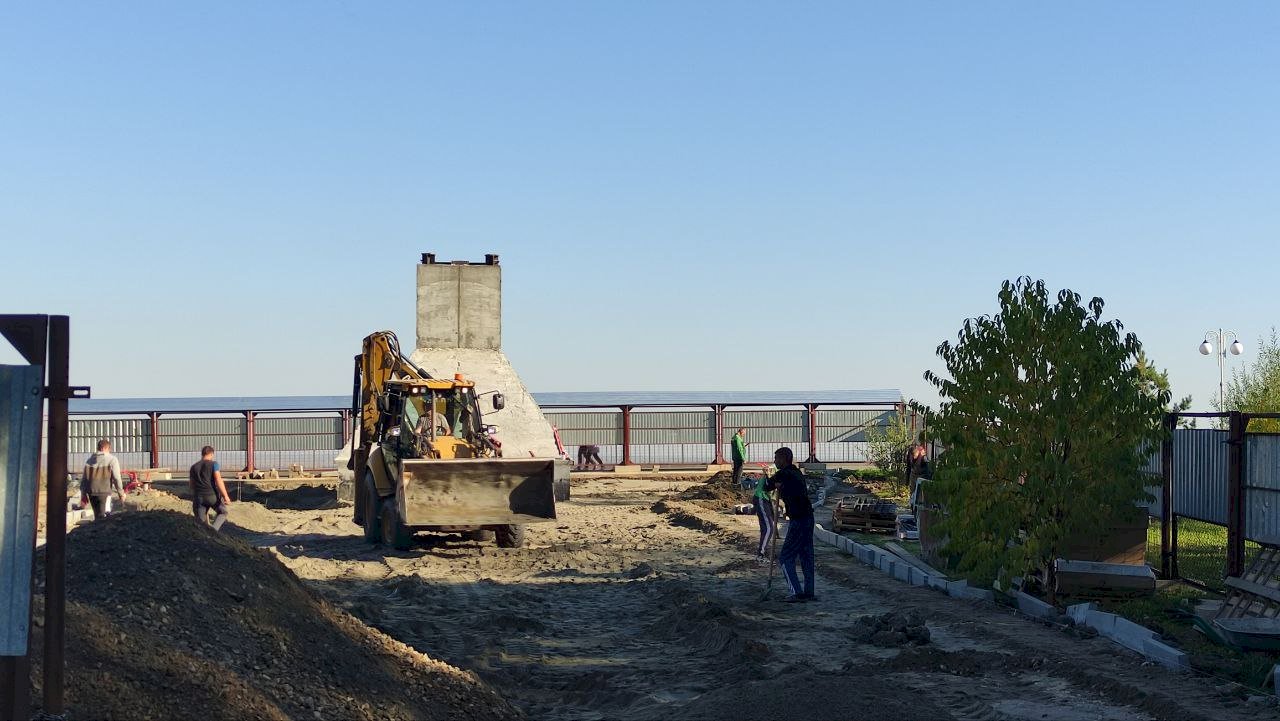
[208, 492]
[739, 455]
[100, 477]
[798, 544]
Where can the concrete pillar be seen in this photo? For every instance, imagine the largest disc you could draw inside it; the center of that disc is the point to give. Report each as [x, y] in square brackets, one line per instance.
[459, 325]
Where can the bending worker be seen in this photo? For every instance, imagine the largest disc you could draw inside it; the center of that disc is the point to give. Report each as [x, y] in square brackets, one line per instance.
[764, 513]
[798, 544]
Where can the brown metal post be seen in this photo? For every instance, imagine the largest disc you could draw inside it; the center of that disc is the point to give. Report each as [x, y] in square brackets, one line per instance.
[626, 435]
[250, 440]
[812, 411]
[155, 439]
[346, 426]
[1235, 494]
[55, 566]
[1166, 496]
[719, 414]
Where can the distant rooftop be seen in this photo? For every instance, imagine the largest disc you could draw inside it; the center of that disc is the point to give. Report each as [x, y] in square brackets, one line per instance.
[573, 399]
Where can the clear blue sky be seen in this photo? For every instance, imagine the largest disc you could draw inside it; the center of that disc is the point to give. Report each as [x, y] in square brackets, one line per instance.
[228, 195]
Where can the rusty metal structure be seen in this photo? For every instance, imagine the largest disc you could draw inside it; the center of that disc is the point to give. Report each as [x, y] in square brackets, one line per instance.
[45, 343]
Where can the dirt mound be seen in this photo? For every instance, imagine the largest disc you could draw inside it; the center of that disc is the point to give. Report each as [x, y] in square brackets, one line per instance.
[706, 625]
[891, 630]
[168, 620]
[718, 492]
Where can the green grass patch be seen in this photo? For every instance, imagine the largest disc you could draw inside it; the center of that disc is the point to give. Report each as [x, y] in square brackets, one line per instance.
[1202, 551]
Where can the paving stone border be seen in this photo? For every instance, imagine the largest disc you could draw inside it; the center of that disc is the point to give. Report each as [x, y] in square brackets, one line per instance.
[1120, 630]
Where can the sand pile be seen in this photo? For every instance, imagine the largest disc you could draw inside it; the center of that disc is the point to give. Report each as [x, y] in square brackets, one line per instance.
[718, 492]
[168, 620]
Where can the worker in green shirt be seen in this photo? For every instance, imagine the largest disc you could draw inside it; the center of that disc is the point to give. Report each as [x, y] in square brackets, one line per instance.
[739, 455]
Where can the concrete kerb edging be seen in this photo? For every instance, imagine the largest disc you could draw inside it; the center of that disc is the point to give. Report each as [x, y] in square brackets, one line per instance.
[1119, 630]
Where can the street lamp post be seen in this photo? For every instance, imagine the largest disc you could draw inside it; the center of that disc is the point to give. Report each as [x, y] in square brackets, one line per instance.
[1236, 348]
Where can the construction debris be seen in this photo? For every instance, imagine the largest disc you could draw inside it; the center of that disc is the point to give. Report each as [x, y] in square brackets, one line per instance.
[865, 513]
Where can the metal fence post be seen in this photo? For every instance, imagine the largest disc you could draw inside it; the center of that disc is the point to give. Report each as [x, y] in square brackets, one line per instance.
[1166, 496]
[1235, 494]
[719, 454]
[155, 439]
[55, 559]
[250, 440]
[812, 412]
[626, 435]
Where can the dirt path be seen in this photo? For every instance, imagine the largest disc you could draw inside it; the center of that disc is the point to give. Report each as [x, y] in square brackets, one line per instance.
[621, 611]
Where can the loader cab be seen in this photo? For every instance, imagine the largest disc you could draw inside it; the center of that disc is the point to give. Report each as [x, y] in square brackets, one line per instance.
[435, 418]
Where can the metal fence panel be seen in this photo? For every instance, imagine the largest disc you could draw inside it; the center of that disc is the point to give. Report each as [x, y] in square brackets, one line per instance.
[849, 425]
[601, 428]
[179, 435]
[21, 411]
[127, 435]
[667, 427]
[294, 433]
[1200, 474]
[1262, 488]
[779, 427]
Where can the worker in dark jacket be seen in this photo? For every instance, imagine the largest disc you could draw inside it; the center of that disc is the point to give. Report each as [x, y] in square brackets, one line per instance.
[100, 478]
[798, 544]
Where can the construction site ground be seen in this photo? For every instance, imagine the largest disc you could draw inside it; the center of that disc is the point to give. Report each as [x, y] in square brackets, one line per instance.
[637, 604]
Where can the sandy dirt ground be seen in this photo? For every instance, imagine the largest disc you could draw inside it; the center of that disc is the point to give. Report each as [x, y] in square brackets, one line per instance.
[635, 607]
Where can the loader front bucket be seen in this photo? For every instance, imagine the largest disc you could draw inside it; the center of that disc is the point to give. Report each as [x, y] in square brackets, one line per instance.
[477, 491]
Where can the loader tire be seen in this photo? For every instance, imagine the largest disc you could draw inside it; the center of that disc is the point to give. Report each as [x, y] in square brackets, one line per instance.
[372, 510]
[394, 533]
[510, 536]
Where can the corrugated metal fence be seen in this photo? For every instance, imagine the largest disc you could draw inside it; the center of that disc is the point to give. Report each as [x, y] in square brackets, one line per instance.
[689, 436]
[175, 441]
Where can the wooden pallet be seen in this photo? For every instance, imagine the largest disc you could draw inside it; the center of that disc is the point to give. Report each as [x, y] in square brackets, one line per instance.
[866, 513]
[1256, 592]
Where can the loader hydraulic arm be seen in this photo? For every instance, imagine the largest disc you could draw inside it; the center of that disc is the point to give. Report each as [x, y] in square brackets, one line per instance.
[380, 361]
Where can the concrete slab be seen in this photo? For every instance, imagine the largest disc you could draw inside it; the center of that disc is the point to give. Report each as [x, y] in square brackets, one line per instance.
[1165, 655]
[1131, 635]
[1102, 622]
[937, 582]
[956, 589]
[919, 579]
[1034, 607]
[1079, 612]
[980, 594]
[902, 572]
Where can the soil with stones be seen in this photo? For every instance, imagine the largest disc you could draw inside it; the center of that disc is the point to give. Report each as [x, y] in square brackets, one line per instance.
[167, 619]
[638, 605]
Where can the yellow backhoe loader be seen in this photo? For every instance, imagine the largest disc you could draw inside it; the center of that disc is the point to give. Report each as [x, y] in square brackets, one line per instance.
[424, 460]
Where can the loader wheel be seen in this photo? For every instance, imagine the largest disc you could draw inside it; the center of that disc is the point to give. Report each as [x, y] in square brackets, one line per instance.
[394, 533]
[511, 536]
[372, 510]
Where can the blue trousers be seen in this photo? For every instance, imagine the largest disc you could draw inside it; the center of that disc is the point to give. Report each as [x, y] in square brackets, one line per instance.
[764, 514]
[798, 545]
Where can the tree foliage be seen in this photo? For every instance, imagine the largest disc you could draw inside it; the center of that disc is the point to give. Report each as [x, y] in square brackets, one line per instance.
[1256, 387]
[887, 446]
[1043, 416]
[1154, 381]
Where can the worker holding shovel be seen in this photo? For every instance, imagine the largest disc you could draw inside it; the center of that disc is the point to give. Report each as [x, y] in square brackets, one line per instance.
[798, 545]
[763, 502]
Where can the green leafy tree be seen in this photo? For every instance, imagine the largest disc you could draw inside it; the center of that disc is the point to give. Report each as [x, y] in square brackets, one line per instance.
[1256, 388]
[1154, 381]
[887, 446]
[1042, 418]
